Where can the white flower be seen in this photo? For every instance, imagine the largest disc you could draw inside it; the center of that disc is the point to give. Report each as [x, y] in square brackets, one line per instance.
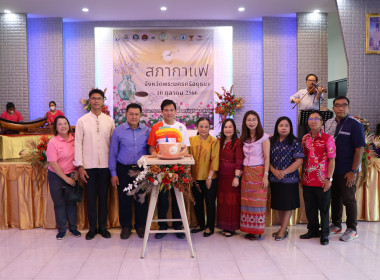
[155, 182]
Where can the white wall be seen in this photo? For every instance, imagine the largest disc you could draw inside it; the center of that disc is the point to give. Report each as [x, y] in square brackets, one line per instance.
[336, 53]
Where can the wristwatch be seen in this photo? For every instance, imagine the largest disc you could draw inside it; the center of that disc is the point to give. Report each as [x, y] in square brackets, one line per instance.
[210, 178]
[355, 171]
[330, 179]
[237, 176]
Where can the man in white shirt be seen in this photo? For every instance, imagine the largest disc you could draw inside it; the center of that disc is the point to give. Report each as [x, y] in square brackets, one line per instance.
[92, 142]
[309, 102]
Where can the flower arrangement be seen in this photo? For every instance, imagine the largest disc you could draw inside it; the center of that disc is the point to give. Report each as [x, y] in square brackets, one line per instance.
[228, 104]
[36, 155]
[87, 105]
[370, 155]
[125, 66]
[364, 122]
[164, 176]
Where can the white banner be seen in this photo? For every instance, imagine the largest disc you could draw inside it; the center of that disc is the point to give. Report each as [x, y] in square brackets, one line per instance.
[151, 65]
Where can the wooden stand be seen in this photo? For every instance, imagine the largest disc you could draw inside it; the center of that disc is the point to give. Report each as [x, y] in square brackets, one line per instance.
[153, 202]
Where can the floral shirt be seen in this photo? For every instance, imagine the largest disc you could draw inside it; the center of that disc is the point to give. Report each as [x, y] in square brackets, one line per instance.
[282, 155]
[317, 152]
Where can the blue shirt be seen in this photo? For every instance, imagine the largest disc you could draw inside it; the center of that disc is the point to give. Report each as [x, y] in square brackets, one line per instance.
[127, 145]
[282, 155]
[348, 135]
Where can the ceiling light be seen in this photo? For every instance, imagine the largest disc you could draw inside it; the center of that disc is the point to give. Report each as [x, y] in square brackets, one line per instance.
[7, 12]
[241, 9]
[85, 10]
[163, 8]
[317, 11]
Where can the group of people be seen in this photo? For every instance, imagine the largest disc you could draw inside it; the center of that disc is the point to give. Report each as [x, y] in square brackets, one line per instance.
[11, 114]
[234, 171]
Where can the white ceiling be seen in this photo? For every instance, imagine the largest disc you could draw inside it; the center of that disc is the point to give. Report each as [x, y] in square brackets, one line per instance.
[108, 10]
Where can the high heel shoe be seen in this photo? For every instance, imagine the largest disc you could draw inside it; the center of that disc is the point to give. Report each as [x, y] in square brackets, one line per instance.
[229, 233]
[280, 238]
[207, 234]
[274, 234]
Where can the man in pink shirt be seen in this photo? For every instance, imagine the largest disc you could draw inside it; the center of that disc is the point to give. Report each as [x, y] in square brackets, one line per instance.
[318, 169]
[11, 114]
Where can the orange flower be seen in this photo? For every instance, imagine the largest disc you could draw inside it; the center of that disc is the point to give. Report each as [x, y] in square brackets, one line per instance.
[155, 169]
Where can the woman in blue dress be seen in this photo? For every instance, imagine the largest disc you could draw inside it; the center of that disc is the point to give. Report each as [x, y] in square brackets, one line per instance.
[286, 156]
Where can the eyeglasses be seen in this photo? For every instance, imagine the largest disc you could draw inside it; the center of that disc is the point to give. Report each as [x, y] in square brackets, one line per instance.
[341, 106]
[96, 98]
[314, 119]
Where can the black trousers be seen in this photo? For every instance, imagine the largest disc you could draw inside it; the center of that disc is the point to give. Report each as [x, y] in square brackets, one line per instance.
[64, 211]
[343, 195]
[97, 197]
[316, 199]
[208, 195]
[163, 207]
[126, 201]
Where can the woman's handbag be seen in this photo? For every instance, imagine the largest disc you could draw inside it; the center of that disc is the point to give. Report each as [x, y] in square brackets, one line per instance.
[73, 193]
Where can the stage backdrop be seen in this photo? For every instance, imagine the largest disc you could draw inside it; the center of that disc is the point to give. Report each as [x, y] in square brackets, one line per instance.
[151, 65]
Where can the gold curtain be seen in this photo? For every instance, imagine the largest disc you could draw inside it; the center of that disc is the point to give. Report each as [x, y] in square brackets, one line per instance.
[24, 205]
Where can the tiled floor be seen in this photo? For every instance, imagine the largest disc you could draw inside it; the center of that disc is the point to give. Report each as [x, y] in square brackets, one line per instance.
[36, 254]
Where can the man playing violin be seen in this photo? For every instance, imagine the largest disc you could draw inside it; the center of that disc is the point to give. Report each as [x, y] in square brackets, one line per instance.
[307, 99]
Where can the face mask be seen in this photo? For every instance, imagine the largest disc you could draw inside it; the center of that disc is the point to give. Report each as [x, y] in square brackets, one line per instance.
[11, 112]
[52, 108]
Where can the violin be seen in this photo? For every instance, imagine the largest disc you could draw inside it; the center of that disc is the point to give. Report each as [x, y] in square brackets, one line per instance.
[314, 90]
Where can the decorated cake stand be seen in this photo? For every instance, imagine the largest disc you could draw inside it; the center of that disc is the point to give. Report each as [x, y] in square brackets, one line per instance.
[153, 201]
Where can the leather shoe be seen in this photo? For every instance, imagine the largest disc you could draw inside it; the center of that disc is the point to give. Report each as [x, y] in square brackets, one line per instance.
[104, 232]
[159, 235]
[91, 234]
[324, 239]
[309, 234]
[125, 233]
[180, 235]
[251, 237]
[140, 232]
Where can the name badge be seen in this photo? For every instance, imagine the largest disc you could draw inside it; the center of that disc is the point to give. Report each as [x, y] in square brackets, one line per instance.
[345, 133]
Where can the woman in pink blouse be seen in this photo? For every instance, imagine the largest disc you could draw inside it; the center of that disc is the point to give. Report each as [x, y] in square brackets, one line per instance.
[62, 172]
[254, 181]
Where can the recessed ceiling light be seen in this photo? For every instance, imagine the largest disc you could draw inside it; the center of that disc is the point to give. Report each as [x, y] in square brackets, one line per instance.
[7, 12]
[317, 11]
[241, 9]
[85, 10]
[163, 8]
